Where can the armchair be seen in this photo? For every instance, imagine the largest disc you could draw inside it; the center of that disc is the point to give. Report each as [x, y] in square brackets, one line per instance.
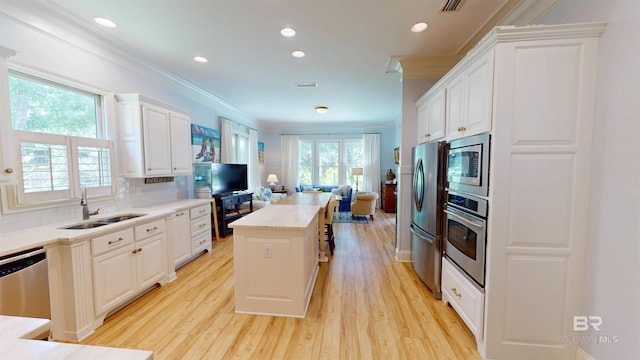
[364, 204]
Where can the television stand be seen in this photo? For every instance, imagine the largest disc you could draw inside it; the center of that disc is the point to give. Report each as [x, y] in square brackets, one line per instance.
[228, 209]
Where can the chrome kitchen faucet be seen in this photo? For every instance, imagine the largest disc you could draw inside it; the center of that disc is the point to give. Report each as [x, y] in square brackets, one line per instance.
[85, 206]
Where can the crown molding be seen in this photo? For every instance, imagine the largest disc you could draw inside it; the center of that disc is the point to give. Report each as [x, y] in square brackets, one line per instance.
[52, 21]
[514, 12]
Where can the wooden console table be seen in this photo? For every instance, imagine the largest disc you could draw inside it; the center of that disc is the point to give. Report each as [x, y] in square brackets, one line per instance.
[228, 209]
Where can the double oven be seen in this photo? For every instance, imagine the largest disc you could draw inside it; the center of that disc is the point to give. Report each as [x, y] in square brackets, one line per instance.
[466, 207]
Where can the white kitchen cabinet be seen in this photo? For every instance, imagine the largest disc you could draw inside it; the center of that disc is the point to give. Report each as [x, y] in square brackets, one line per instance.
[7, 166]
[431, 116]
[179, 234]
[468, 98]
[189, 232]
[539, 102]
[463, 296]
[127, 262]
[154, 138]
[200, 229]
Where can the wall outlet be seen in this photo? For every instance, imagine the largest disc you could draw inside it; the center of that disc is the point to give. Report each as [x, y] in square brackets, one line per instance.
[267, 250]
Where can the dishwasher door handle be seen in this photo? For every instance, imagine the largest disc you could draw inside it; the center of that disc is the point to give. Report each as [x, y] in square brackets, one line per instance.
[22, 256]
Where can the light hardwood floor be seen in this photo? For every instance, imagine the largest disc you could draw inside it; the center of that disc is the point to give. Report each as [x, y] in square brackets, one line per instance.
[365, 305]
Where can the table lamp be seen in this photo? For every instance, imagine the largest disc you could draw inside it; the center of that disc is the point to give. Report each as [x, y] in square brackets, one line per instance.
[356, 171]
[272, 179]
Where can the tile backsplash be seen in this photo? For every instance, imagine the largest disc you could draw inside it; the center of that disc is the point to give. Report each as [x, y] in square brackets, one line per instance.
[133, 193]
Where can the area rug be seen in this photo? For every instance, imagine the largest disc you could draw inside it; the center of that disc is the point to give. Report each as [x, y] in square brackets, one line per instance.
[345, 217]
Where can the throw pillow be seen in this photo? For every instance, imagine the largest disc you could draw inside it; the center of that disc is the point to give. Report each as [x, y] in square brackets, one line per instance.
[267, 194]
[344, 189]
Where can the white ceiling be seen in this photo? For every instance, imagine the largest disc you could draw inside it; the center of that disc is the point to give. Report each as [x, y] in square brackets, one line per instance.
[353, 48]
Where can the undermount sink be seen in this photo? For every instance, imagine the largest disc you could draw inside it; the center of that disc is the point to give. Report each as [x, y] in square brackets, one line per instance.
[102, 222]
[90, 225]
[119, 218]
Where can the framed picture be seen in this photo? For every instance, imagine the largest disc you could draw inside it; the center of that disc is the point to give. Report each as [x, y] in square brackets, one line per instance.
[205, 144]
[396, 155]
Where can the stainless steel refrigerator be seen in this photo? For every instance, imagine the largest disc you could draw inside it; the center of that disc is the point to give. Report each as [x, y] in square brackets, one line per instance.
[427, 216]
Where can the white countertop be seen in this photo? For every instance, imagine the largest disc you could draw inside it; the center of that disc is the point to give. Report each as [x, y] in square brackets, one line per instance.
[278, 217]
[16, 241]
[15, 333]
[42, 350]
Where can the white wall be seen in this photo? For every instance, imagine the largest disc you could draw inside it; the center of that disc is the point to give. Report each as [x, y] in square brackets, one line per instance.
[47, 53]
[612, 281]
[412, 90]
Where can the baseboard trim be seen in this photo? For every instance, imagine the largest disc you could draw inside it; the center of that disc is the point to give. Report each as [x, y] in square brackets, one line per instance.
[582, 355]
[403, 255]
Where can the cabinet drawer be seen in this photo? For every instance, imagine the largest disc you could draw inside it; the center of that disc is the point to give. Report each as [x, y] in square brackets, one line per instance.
[149, 229]
[111, 241]
[200, 224]
[200, 211]
[200, 242]
[465, 298]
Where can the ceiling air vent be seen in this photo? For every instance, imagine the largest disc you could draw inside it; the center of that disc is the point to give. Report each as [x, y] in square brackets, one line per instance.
[307, 84]
[451, 5]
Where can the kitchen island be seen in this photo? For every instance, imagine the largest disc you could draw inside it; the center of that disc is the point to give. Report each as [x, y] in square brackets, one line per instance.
[275, 260]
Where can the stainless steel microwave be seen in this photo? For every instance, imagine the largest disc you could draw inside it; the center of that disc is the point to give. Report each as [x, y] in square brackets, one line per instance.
[468, 164]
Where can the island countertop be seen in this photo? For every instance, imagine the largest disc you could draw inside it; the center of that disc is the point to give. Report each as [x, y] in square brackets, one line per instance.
[279, 217]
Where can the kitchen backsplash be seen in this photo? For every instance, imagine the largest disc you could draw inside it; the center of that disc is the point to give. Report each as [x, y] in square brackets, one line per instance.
[134, 193]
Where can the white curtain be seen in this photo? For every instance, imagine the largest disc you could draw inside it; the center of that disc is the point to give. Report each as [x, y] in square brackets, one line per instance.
[253, 169]
[226, 141]
[371, 158]
[289, 148]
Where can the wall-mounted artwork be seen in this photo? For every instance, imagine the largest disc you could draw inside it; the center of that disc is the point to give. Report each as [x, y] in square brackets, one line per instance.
[260, 153]
[205, 144]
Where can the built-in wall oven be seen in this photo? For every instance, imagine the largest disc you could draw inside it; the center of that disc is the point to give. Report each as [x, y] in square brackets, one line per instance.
[466, 232]
[468, 165]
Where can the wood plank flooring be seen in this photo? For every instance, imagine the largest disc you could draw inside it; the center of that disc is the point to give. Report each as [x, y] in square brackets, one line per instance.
[365, 305]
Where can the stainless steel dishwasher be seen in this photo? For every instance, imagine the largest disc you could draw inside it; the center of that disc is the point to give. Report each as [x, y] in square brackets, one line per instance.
[24, 284]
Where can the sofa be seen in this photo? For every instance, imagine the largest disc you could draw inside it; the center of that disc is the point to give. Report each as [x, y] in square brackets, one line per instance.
[343, 190]
[264, 197]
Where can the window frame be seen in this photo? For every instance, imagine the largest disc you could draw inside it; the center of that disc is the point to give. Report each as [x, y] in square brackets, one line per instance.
[343, 166]
[14, 199]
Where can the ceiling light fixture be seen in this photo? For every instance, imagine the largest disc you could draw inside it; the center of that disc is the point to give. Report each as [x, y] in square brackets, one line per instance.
[419, 27]
[200, 59]
[322, 109]
[104, 22]
[298, 54]
[287, 32]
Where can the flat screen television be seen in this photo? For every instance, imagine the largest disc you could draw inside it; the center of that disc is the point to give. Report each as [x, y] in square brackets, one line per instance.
[228, 178]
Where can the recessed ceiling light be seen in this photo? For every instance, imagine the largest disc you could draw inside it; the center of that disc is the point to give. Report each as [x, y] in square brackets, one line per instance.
[104, 22]
[288, 32]
[419, 27]
[297, 54]
[200, 59]
[322, 109]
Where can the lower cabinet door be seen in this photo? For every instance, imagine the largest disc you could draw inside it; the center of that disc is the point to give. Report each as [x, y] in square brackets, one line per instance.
[150, 261]
[113, 278]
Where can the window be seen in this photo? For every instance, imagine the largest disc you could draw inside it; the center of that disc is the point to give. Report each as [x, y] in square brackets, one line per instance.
[58, 133]
[328, 162]
[240, 144]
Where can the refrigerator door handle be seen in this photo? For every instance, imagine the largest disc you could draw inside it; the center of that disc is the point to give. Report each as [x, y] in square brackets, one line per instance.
[421, 234]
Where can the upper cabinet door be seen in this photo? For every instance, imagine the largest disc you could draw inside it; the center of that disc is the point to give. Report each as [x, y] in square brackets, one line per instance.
[456, 107]
[431, 117]
[480, 95]
[154, 138]
[180, 144]
[156, 141]
[469, 100]
[437, 116]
